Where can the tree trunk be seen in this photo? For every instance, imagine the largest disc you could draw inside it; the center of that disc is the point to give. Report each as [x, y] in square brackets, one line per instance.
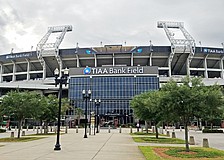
[211, 125]
[157, 133]
[19, 128]
[146, 127]
[186, 137]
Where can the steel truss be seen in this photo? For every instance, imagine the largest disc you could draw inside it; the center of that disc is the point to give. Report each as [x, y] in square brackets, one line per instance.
[187, 43]
[45, 49]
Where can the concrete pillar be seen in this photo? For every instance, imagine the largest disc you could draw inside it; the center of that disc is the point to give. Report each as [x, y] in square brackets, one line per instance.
[41, 129]
[191, 141]
[23, 133]
[77, 129]
[66, 129]
[37, 129]
[109, 129]
[205, 143]
[141, 129]
[12, 135]
[173, 135]
[168, 133]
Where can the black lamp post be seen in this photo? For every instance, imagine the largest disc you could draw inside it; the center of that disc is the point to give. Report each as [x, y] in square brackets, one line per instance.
[97, 104]
[86, 96]
[62, 80]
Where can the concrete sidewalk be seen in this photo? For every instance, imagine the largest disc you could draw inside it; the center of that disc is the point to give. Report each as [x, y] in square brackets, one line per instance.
[109, 146]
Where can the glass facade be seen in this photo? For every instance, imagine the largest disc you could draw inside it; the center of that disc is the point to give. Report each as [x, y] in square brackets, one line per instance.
[115, 93]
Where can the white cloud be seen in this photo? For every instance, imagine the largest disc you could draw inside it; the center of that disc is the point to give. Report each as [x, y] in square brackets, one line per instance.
[23, 23]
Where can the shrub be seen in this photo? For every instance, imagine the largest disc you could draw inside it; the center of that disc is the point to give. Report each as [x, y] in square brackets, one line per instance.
[212, 131]
[2, 130]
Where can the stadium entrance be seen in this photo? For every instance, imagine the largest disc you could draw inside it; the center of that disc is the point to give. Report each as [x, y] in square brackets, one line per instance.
[115, 86]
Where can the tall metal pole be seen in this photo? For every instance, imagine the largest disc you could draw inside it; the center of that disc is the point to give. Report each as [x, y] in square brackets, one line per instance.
[57, 145]
[97, 124]
[85, 136]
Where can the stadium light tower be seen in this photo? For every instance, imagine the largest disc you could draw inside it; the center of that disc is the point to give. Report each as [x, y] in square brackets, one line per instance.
[181, 44]
[45, 49]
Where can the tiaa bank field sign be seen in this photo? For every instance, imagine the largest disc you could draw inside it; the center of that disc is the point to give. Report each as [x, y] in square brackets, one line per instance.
[116, 70]
[112, 70]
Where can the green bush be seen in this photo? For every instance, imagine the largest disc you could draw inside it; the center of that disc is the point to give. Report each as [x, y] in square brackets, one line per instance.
[212, 131]
[2, 130]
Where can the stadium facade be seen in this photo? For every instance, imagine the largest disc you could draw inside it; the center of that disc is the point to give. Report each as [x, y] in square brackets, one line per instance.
[114, 73]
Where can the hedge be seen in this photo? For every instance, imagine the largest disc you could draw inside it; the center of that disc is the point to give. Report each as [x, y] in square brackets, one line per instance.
[2, 130]
[212, 131]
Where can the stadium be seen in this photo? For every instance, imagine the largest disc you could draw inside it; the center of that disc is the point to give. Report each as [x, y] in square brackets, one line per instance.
[114, 73]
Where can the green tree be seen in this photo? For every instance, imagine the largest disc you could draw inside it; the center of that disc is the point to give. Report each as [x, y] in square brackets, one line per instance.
[21, 105]
[188, 100]
[78, 113]
[48, 110]
[146, 107]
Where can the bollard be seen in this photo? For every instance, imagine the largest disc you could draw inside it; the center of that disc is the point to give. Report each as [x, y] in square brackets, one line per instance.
[120, 129]
[66, 129]
[89, 130]
[130, 129]
[168, 133]
[173, 135]
[12, 135]
[23, 133]
[205, 143]
[15, 128]
[77, 129]
[153, 129]
[41, 129]
[192, 142]
[109, 129]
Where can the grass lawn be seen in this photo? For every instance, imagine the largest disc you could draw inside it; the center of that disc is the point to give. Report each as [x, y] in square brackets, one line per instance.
[159, 140]
[21, 139]
[146, 134]
[178, 153]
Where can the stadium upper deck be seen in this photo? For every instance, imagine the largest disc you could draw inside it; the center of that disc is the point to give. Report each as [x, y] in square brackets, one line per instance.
[35, 69]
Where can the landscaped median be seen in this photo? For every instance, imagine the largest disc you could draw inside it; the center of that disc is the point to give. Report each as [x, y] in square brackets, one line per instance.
[164, 152]
[178, 153]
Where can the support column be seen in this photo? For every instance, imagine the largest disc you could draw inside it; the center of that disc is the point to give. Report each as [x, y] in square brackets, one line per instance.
[205, 66]
[150, 59]
[77, 60]
[28, 70]
[221, 67]
[132, 59]
[188, 67]
[1, 72]
[113, 60]
[44, 70]
[95, 60]
[14, 71]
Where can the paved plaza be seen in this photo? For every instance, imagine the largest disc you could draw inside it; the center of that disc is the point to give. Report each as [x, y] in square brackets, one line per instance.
[110, 146]
[104, 145]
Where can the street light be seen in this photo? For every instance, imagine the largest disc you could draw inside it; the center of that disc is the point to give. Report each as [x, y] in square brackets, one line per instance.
[97, 104]
[62, 80]
[86, 95]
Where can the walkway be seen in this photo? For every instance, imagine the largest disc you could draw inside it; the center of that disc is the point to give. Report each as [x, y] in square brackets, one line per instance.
[109, 146]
